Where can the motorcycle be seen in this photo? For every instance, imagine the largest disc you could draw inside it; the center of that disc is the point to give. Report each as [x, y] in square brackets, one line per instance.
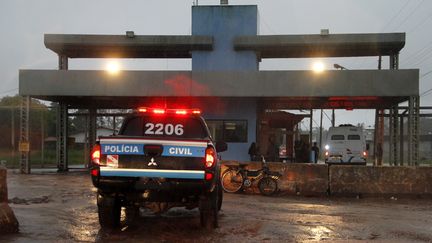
[237, 178]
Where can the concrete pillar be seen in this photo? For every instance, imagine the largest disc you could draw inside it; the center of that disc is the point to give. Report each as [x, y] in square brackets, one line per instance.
[8, 221]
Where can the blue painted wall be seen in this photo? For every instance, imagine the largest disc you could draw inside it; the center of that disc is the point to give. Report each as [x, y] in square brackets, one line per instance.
[224, 23]
[236, 109]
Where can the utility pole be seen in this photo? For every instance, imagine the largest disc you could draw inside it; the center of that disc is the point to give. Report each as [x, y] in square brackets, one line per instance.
[333, 118]
[320, 135]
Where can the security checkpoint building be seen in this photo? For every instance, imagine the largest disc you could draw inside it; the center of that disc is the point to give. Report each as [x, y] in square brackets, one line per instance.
[225, 80]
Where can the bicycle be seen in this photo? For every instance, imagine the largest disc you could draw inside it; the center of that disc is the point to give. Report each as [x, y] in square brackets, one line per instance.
[237, 178]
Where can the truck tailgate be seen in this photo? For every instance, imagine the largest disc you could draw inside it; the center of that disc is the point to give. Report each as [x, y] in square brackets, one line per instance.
[133, 157]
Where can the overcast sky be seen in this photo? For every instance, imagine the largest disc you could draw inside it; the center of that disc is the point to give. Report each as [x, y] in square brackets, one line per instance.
[23, 24]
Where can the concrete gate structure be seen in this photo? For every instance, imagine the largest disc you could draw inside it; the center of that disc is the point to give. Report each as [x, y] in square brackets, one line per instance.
[225, 81]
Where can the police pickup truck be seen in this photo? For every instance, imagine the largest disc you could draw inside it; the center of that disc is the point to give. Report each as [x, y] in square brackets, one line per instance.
[162, 158]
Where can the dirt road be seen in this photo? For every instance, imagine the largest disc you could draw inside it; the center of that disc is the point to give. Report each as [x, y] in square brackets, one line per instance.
[53, 207]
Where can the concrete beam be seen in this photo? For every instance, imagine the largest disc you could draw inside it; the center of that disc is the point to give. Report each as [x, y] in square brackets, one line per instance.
[347, 83]
[121, 46]
[333, 45]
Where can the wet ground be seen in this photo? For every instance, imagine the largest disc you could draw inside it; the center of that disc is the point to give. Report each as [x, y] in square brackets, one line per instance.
[61, 208]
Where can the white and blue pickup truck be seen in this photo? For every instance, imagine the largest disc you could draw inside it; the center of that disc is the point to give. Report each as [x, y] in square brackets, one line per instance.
[161, 158]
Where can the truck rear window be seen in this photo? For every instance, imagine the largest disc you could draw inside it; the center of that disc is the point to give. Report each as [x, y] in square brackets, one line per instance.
[164, 126]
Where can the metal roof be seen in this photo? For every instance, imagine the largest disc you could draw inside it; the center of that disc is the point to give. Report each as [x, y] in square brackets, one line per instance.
[332, 45]
[266, 46]
[122, 46]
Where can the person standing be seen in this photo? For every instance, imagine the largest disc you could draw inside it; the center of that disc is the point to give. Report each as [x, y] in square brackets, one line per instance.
[272, 150]
[253, 151]
[316, 152]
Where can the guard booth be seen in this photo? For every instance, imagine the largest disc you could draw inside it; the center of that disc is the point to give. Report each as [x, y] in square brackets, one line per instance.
[225, 80]
[283, 128]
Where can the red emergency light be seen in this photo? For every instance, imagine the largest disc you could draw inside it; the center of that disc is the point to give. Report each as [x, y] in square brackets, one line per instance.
[181, 112]
[162, 111]
[159, 111]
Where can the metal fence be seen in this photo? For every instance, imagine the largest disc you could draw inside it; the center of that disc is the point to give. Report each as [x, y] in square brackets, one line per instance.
[43, 139]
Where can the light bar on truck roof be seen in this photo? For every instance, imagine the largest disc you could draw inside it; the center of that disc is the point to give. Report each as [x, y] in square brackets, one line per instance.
[161, 111]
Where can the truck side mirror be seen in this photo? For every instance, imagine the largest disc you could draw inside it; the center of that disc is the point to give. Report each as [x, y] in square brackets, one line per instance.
[221, 146]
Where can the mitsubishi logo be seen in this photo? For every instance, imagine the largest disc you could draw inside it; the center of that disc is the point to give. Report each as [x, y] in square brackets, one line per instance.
[152, 162]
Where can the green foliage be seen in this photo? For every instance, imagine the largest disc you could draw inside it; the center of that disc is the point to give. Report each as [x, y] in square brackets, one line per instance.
[41, 123]
[15, 101]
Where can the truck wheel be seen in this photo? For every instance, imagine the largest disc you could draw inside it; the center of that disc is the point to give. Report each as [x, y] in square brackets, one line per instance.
[131, 215]
[209, 218]
[209, 210]
[109, 213]
[220, 197]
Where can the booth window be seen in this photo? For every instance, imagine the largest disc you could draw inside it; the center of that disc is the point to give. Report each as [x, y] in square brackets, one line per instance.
[231, 131]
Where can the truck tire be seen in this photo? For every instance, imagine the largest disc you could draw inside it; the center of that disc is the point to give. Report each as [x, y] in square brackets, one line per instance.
[220, 197]
[209, 209]
[131, 215]
[109, 213]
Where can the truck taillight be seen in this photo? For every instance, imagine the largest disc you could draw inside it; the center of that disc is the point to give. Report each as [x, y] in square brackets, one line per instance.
[364, 153]
[94, 172]
[96, 154]
[210, 157]
[208, 176]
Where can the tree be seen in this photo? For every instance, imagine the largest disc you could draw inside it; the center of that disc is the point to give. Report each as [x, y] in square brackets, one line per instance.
[41, 118]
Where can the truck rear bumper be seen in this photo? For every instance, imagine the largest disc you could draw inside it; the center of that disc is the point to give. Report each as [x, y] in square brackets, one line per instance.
[124, 184]
[154, 173]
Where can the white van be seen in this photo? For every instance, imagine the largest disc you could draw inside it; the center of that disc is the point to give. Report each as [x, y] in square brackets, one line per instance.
[345, 144]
